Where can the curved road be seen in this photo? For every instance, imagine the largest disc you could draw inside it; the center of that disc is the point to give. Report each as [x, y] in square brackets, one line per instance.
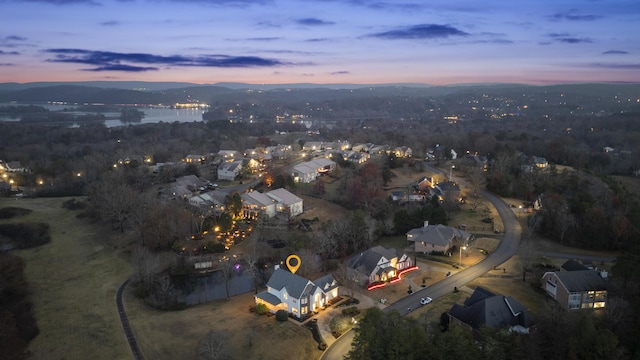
[137, 354]
[505, 250]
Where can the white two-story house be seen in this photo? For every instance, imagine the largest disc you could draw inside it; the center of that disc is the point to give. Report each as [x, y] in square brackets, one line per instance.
[298, 296]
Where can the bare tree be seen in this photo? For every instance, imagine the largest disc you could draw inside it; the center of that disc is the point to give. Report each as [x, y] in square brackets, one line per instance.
[146, 264]
[226, 267]
[476, 180]
[164, 290]
[215, 346]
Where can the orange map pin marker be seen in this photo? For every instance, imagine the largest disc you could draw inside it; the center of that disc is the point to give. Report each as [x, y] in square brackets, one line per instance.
[293, 267]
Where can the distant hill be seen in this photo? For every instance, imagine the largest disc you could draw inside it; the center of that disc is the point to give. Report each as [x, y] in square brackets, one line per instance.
[167, 93]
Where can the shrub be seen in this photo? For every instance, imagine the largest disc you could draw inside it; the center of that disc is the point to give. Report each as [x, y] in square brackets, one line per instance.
[282, 315]
[261, 309]
[10, 212]
[73, 204]
[26, 235]
[350, 311]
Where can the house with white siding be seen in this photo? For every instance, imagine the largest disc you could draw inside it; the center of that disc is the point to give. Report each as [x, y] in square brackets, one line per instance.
[229, 170]
[286, 202]
[298, 296]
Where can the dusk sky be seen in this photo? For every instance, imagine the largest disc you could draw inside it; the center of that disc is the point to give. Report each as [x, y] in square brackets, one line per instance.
[321, 41]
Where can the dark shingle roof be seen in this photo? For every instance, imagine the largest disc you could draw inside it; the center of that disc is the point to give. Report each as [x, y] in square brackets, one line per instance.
[581, 280]
[268, 297]
[369, 259]
[573, 265]
[326, 283]
[295, 284]
[484, 308]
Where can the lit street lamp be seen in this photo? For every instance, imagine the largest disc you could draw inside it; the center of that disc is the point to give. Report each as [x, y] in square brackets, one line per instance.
[451, 172]
[462, 248]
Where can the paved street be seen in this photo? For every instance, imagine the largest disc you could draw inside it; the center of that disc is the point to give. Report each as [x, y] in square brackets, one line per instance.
[505, 250]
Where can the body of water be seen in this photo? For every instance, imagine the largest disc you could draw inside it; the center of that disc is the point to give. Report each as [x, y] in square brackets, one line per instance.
[151, 115]
[204, 288]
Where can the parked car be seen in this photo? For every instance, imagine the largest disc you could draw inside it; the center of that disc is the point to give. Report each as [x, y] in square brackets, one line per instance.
[425, 300]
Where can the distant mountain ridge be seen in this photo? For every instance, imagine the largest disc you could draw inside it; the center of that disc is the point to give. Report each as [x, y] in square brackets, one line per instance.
[167, 93]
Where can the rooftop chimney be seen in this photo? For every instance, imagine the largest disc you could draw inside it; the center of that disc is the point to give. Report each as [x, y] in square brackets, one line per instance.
[426, 223]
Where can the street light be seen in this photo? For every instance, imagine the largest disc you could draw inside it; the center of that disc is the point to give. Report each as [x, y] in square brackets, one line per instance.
[451, 172]
[462, 248]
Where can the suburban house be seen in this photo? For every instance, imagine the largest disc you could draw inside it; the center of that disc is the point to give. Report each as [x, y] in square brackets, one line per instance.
[278, 152]
[194, 159]
[229, 170]
[378, 265]
[478, 161]
[425, 183]
[437, 238]
[402, 152]
[357, 157]
[13, 166]
[207, 202]
[296, 295]
[229, 155]
[486, 309]
[286, 202]
[303, 173]
[577, 287]
[308, 171]
[400, 196]
[540, 162]
[312, 146]
[447, 191]
[339, 145]
[255, 203]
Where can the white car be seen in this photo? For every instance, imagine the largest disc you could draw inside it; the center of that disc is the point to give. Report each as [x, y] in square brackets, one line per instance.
[425, 300]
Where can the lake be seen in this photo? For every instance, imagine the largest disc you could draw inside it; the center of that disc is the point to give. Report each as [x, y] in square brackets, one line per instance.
[151, 115]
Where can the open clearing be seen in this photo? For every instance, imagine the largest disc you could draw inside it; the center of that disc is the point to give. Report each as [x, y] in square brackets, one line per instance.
[73, 279]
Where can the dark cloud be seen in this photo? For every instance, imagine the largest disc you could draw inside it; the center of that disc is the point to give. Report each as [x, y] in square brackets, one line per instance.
[423, 31]
[313, 22]
[120, 67]
[635, 66]
[340, 72]
[571, 16]
[64, 2]
[317, 40]
[9, 52]
[615, 52]
[566, 38]
[110, 23]
[273, 38]
[15, 38]
[7, 64]
[112, 61]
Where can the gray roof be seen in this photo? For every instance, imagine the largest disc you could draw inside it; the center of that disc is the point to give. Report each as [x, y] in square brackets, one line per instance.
[190, 180]
[231, 166]
[257, 198]
[326, 283]
[283, 196]
[268, 297]
[322, 162]
[484, 308]
[294, 284]
[581, 280]
[369, 259]
[572, 265]
[436, 234]
[304, 168]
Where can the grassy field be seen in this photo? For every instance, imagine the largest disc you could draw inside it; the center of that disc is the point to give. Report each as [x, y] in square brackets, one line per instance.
[73, 279]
